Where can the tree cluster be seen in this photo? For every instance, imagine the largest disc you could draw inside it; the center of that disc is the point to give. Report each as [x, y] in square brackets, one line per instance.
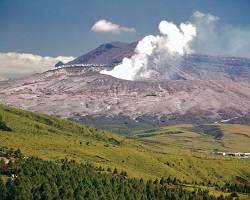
[232, 187]
[36, 179]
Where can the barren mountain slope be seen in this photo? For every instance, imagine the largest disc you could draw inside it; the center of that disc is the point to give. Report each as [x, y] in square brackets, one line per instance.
[78, 92]
[204, 89]
[108, 54]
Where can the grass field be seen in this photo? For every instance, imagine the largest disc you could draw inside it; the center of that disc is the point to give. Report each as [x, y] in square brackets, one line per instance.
[186, 138]
[175, 151]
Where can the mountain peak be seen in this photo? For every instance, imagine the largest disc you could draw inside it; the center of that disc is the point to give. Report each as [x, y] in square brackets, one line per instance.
[108, 54]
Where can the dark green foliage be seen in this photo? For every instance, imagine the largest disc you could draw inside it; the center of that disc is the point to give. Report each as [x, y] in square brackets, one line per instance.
[234, 194]
[3, 190]
[212, 130]
[115, 171]
[243, 188]
[10, 152]
[18, 154]
[44, 180]
[114, 141]
[3, 126]
[151, 133]
[123, 173]
[109, 170]
[150, 130]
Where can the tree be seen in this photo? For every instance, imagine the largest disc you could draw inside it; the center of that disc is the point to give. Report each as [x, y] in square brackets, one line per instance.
[124, 173]
[78, 193]
[162, 181]
[109, 170]
[3, 125]
[45, 191]
[18, 189]
[2, 166]
[18, 153]
[3, 190]
[42, 180]
[115, 171]
[234, 195]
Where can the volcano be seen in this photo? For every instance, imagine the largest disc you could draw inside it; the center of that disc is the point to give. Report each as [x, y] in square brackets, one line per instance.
[205, 89]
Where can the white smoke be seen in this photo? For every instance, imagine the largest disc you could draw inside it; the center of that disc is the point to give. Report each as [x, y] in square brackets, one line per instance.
[157, 56]
[161, 56]
[216, 39]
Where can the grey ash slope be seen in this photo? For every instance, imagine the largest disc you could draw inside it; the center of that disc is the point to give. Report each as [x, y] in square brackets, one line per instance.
[205, 89]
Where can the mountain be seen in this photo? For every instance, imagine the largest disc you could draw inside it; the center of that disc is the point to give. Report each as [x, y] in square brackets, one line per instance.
[59, 64]
[84, 94]
[205, 89]
[195, 66]
[108, 54]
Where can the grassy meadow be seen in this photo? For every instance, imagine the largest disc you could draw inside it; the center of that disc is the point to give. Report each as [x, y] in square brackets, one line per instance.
[178, 151]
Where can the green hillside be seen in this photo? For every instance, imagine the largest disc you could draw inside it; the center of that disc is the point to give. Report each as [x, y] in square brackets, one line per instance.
[37, 179]
[205, 139]
[178, 152]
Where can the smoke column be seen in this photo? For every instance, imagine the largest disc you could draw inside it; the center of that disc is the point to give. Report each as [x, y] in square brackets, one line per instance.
[157, 56]
[161, 56]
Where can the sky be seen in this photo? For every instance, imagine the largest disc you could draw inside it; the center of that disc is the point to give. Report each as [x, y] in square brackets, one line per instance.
[55, 28]
[63, 27]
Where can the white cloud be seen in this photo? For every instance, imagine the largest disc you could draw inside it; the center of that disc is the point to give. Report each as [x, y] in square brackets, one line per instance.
[14, 64]
[103, 26]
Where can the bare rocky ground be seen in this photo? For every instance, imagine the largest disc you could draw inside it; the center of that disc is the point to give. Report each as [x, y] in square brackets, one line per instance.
[205, 89]
[79, 93]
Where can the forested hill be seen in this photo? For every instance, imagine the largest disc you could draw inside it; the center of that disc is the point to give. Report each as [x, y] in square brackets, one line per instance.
[118, 164]
[39, 180]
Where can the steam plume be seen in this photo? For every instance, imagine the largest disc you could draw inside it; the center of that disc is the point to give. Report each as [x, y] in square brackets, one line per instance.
[161, 56]
[216, 39]
[158, 55]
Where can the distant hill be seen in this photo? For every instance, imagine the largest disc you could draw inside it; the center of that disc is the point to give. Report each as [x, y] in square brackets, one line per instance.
[59, 64]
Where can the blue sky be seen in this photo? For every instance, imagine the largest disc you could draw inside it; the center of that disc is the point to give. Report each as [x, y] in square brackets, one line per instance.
[63, 27]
